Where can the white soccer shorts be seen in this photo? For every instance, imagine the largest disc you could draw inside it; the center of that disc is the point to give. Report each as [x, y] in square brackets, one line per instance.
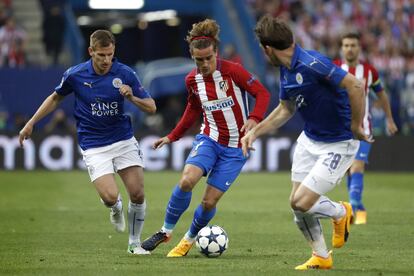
[320, 166]
[109, 159]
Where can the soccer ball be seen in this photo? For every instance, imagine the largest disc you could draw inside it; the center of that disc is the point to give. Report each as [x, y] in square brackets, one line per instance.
[212, 241]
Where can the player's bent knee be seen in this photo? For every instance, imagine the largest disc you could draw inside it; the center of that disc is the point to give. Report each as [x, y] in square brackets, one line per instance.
[109, 199]
[187, 183]
[208, 205]
[299, 205]
[137, 197]
[357, 167]
[301, 202]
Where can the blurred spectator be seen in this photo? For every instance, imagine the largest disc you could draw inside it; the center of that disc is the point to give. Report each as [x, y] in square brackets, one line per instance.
[60, 123]
[409, 123]
[230, 53]
[408, 99]
[53, 27]
[5, 11]
[12, 41]
[396, 66]
[386, 28]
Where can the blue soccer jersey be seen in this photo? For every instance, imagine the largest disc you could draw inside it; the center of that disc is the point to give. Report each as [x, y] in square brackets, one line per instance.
[99, 107]
[313, 84]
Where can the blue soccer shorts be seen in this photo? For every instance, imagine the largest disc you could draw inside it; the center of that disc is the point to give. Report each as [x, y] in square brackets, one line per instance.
[363, 151]
[222, 164]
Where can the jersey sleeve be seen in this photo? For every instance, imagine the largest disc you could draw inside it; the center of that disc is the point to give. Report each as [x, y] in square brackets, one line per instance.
[325, 69]
[191, 114]
[249, 83]
[137, 89]
[65, 88]
[376, 82]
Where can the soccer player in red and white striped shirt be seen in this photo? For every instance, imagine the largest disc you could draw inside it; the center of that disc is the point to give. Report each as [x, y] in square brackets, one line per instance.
[216, 89]
[365, 72]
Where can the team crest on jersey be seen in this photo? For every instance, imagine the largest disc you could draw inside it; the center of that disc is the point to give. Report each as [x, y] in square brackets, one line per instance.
[117, 82]
[224, 85]
[299, 78]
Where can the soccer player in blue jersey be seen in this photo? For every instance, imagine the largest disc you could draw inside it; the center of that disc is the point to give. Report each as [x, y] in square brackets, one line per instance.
[331, 102]
[105, 134]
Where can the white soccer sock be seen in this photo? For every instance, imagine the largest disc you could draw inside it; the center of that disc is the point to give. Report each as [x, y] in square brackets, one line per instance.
[326, 208]
[188, 237]
[136, 216]
[312, 230]
[166, 230]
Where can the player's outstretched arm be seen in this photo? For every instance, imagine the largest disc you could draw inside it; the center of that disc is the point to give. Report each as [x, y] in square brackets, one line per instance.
[48, 105]
[250, 123]
[279, 116]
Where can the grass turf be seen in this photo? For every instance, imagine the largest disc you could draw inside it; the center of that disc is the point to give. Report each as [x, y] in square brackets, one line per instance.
[52, 223]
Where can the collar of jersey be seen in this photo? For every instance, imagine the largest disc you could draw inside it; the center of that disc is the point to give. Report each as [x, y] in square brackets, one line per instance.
[295, 56]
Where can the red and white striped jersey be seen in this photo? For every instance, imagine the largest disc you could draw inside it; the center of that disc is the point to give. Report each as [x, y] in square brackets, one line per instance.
[368, 75]
[221, 98]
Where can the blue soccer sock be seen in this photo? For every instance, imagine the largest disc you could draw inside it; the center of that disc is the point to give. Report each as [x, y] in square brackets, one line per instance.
[355, 189]
[179, 202]
[201, 218]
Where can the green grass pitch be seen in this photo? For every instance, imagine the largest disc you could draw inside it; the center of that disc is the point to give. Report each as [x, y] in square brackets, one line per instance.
[52, 223]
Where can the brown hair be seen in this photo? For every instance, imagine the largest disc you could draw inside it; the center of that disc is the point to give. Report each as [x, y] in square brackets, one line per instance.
[351, 35]
[101, 38]
[274, 32]
[203, 35]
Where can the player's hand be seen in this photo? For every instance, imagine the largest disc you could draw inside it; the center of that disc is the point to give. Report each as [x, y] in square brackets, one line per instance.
[247, 142]
[250, 123]
[359, 134]
[25, 133]
[161, 142]
[126, 91]
[391, 127]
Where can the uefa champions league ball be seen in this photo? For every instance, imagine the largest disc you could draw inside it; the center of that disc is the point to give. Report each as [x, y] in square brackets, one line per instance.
[212, 241]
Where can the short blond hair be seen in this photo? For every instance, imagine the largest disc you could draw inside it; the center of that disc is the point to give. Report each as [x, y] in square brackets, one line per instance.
[101, 38]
